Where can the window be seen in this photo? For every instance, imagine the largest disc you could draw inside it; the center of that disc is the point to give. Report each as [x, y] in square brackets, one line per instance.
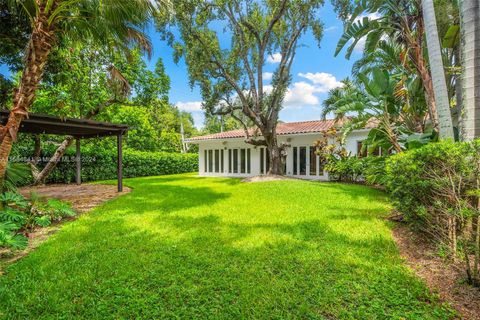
[313, 162]
[248, 161]
[242, 160]
[210, 160]
[267, 160]
[205, 168]
[235, 160]
[303, 161]
[217, 160]
[221, 161]
[295, 161]
[229, 160]
[262, 161]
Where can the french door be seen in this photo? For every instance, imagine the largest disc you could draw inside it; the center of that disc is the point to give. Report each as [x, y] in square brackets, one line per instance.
[306, 162]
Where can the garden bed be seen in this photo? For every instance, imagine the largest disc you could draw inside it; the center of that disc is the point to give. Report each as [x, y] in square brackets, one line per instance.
[441, 275]
[82, 198]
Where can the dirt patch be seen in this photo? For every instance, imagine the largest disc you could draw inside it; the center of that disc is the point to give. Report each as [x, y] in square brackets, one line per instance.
[82, 198]
[443, 277]
[266, 178]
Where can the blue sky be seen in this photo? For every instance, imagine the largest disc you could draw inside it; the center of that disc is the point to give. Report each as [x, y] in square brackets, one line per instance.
[314, 71]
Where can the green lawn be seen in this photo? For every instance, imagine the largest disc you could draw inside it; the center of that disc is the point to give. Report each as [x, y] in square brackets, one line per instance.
[188, 247]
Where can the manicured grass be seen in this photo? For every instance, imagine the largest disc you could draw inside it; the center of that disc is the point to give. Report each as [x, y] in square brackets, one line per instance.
[188, 247]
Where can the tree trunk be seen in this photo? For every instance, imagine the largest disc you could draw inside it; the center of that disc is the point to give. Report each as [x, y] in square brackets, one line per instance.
[38, 49]
[275, 153]
[52, 163]
[416, 55]
[37, 152]
[437, 71]
[470, 27]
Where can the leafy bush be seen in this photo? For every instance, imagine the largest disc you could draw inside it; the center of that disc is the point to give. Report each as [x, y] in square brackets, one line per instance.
[348, 169]
[18, 216]
[437, 188]
[102, 165]
[374, 170]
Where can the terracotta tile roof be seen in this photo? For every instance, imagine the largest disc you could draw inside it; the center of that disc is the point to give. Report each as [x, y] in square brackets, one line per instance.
[282, 129]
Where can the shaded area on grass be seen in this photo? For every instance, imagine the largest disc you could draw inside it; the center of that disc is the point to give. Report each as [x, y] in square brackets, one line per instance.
[190, 247]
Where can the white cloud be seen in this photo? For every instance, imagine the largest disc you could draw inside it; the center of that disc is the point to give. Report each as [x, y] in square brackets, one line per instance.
[190, 106]
[275, 58]
[198, 119]
[323, 81]
[330, 29]
[371, 16]
[195, 109]
[267, 76]
[301, 94]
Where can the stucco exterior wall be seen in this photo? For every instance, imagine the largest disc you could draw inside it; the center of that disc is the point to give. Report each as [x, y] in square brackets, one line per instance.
[295, 140]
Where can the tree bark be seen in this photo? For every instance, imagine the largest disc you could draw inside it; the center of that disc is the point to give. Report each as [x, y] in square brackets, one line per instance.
[470, 29]
[437, 71]
[38, 49]
[275, 154]
[41, 177]
[416, 55]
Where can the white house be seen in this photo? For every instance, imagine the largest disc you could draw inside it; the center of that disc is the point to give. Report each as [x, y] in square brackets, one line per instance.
[226, 154]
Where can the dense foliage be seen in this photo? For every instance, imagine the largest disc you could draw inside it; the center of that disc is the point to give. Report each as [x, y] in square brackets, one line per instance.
[437, 189]
[102, 165]
[19, 216]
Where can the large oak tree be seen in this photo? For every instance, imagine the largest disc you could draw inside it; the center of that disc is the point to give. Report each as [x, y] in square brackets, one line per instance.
[228, 66]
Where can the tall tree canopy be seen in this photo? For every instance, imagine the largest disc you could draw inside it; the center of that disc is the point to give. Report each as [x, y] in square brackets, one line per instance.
[230, 72]
[116, 23]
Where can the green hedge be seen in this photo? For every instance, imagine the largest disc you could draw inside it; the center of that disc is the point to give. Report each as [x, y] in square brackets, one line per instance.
[102, 165]
[419, 180]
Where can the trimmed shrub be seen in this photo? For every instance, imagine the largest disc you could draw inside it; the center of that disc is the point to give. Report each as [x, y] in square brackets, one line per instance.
[102, 165]
[437, 188]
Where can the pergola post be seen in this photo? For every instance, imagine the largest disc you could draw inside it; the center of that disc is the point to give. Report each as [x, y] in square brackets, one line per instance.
[78, 173]
[119, 163]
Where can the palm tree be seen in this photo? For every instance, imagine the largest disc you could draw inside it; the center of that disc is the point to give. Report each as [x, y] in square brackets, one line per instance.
[388, 101]
[400, 20]
[470, 25]
[437, 71]
[116, 23]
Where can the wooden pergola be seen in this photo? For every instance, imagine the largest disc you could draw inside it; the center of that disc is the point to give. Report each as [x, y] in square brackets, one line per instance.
[79, 129]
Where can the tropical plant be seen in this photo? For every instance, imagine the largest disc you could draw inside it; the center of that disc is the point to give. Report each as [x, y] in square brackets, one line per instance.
[437, 189]
[402, 21]
[382, 103]
[231, 78]
[115, 23]
[17, 174]
[19, 217]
